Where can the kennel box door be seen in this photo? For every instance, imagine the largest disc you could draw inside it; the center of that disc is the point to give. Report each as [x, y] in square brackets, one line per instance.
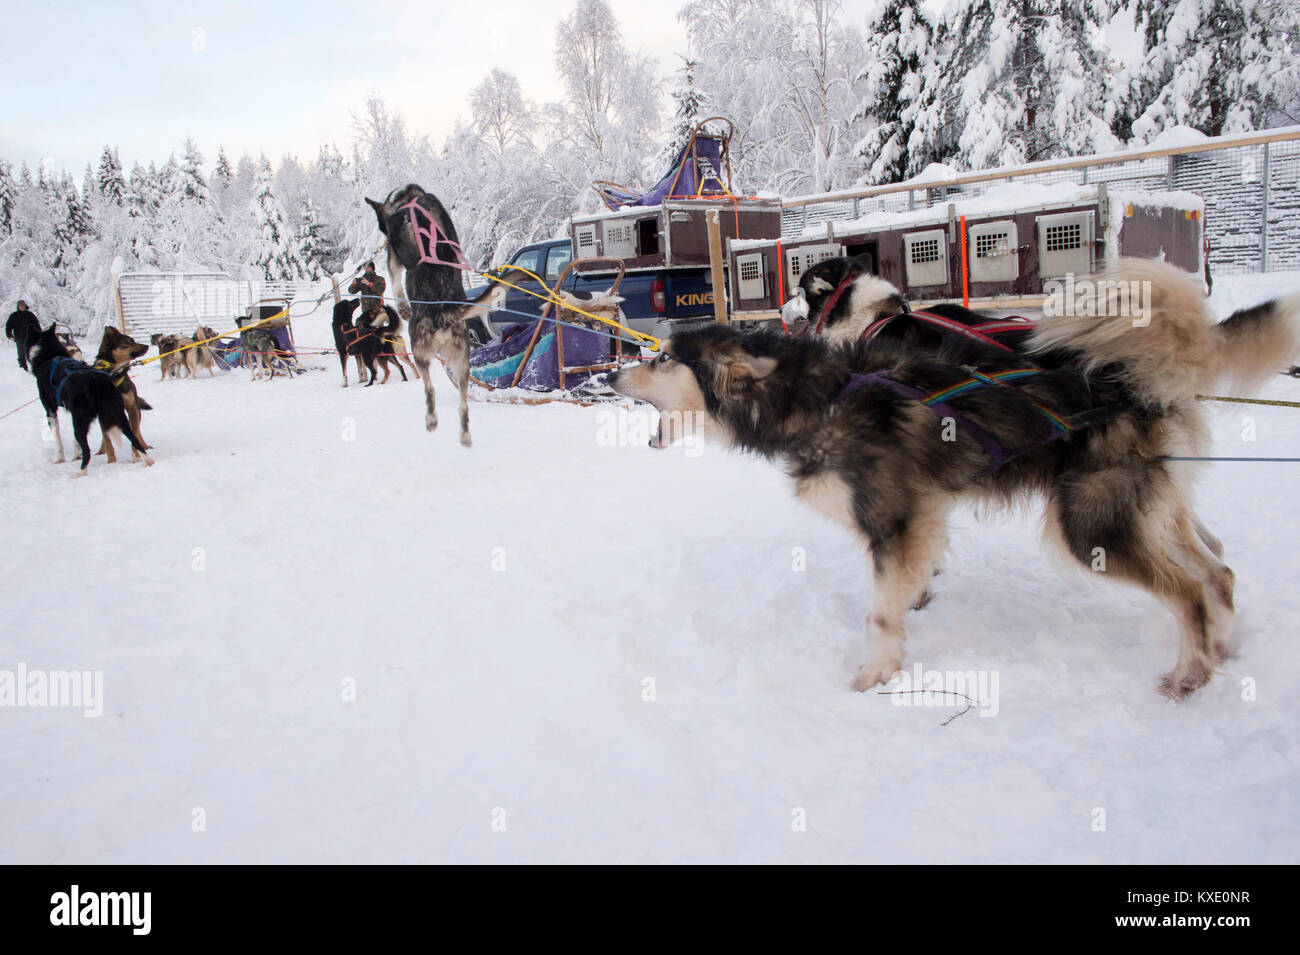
[925, 255]
[585, 244]
[751, 277]
[994, 251]
[1065, 244]
[799, 260]
[620, 239]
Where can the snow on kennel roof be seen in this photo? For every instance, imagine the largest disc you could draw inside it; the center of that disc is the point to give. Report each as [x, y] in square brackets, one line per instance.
[1005, 198]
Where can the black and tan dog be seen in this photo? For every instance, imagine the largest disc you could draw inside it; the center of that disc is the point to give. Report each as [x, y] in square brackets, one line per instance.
[885, 439]
[87, 394]
[345, 336]
[116, 352]
[429, 257]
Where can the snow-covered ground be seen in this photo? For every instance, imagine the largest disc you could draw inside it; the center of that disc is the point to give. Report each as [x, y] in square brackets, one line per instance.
[326, 635]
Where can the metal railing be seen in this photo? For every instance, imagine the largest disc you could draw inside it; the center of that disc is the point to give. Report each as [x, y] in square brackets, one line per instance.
[1250, 183]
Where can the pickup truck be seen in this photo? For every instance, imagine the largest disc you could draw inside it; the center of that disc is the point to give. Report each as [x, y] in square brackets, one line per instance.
[656, 301]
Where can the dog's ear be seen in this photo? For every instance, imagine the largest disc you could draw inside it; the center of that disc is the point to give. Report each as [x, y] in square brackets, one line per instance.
[380, 214]
[737, 366]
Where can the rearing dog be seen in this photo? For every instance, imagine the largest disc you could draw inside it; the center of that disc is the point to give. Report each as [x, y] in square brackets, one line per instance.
[884, 439]
[423, 248]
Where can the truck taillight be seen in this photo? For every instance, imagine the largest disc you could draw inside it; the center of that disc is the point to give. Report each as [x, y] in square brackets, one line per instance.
[657, 301]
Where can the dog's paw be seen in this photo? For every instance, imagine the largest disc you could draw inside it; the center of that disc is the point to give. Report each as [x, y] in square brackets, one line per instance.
[876, 672]
[148, 461]
[923, 601]
[1176, 686]
[81, 472]
[465, 440]
[430, 422]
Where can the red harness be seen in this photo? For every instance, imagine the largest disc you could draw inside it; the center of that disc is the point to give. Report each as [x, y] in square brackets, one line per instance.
[976, 332]
[427, 239]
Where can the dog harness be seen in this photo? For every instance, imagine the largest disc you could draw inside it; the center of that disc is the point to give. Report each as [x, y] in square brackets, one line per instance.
[103, 364]
[428, 239]
[999, 456]
[982, 332]
[65, 368]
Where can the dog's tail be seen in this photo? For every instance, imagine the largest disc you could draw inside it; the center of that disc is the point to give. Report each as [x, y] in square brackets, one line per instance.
[1149, 320]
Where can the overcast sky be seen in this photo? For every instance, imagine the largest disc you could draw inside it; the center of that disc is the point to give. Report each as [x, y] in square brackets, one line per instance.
[270, 77]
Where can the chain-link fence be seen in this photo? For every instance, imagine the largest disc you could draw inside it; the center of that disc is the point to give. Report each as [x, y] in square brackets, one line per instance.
[1251, 193]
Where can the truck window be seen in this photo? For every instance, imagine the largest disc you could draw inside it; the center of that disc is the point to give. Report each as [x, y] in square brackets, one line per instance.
[561, 255]
[528, 259]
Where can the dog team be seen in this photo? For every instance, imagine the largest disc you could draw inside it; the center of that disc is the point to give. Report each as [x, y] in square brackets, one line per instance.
[883, 417]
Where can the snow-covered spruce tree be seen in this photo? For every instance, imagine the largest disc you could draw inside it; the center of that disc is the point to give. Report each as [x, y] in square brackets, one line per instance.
[8, 195]
[313, 247]
[688, 103]
[899, 78]
[1219, 66]
[1024, 81]
[190, 181]
[109, 180]
[275, 254]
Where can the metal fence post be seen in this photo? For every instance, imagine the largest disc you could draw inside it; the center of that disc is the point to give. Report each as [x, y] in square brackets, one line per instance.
[1169, 174]
[1263, 215]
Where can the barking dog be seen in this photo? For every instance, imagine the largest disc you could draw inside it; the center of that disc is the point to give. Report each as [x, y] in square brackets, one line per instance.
[117, 351]
[846, 422]
[429, 255]
[88, 395]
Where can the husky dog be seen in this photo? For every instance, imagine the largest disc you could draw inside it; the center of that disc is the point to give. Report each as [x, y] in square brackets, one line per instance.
[846, 422]
[345, 336]
[260, 349]
[843, 301]
[88, 395]
[429, 257]
[203, 354]
[176, 355]
[116, 351]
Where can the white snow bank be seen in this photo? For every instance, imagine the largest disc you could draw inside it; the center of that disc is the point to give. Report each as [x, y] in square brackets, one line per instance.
[1177, 136]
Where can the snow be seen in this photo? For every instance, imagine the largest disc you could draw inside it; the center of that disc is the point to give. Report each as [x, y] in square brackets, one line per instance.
[1176, 137]
[502, 609]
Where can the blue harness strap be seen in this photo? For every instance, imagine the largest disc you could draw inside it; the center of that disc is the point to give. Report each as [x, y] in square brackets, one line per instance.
[64, 368]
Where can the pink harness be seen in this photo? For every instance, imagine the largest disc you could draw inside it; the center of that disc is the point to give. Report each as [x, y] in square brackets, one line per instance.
[426, 240]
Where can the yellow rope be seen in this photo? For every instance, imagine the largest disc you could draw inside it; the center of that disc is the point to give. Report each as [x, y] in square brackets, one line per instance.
[1250, 401]
[650, 341]
[234, 331]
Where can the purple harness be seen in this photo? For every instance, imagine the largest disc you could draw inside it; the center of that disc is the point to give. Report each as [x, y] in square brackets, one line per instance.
[998, 455]
[427, 239]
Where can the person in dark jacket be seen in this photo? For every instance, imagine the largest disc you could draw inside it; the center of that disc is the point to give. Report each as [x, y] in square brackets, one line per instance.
[21, 327]
[371, 286]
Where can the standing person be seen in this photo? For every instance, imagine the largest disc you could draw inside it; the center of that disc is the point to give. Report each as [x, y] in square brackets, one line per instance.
[371, 286]
[22, 326]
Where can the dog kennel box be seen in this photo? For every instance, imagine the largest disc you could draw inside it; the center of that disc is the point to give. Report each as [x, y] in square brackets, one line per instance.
[1017, 239]
[673, 234]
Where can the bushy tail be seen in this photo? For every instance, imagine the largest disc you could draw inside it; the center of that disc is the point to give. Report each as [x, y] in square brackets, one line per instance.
[1150, 320]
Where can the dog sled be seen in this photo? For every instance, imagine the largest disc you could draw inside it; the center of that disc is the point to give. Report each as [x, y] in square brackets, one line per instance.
[702, 168]
[265, 342]
[562, 356]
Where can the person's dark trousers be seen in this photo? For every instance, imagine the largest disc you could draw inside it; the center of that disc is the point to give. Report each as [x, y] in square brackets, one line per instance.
[20, 340]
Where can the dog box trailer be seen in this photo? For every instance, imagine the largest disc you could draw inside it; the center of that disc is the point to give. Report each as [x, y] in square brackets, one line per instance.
[1018, 241]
